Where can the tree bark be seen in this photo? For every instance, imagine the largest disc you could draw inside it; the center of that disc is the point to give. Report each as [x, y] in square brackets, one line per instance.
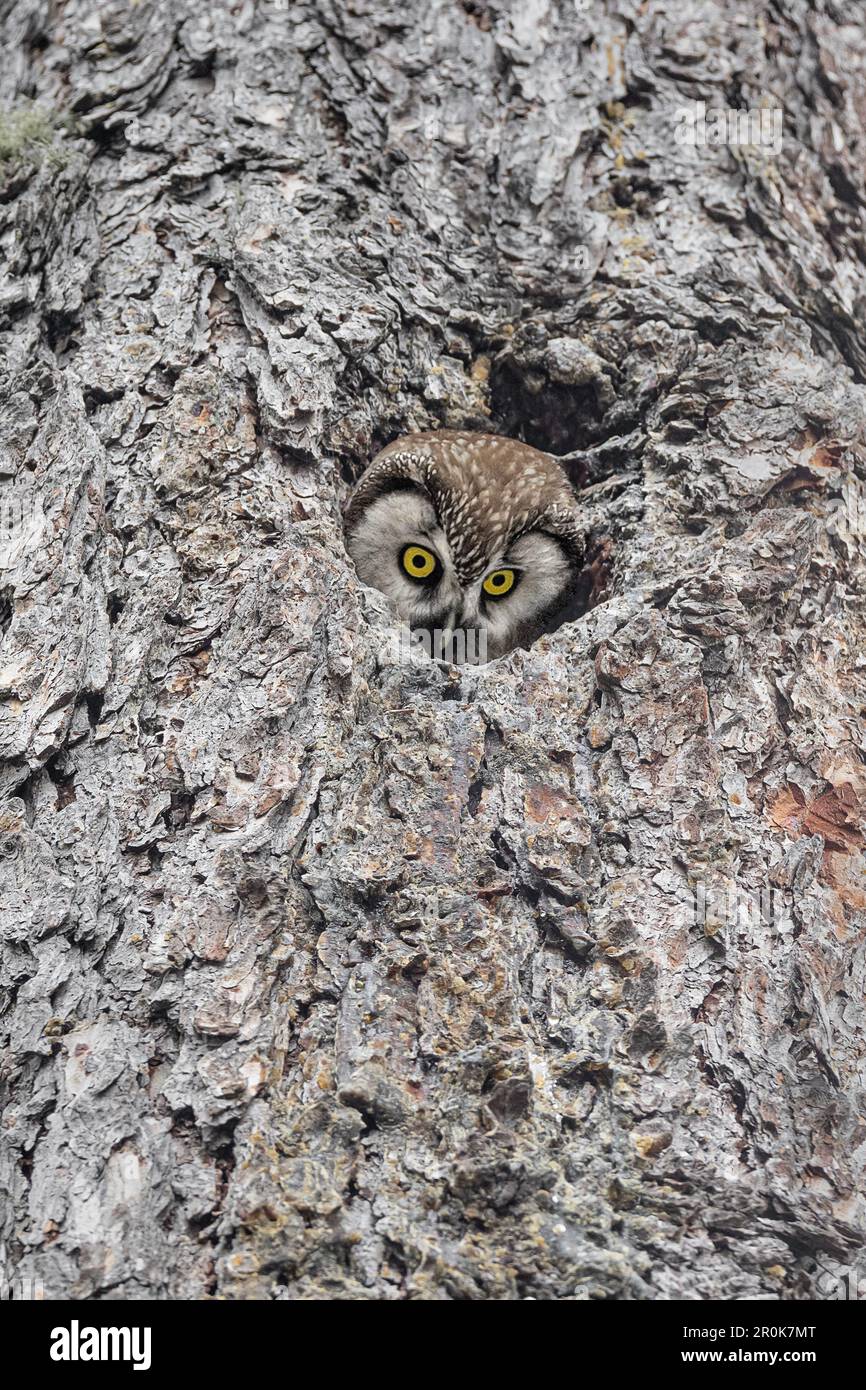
[329, 975]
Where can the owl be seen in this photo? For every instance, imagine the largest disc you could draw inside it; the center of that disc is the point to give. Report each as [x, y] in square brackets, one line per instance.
[468, 532]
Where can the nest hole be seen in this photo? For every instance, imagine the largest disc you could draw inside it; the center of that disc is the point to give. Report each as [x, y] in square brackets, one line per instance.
[555, 417]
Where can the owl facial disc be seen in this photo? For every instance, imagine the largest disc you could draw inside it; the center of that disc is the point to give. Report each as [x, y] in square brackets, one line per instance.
[465, 531]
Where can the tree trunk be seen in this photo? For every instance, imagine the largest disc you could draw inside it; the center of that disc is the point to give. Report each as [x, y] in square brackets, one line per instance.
[332, 975]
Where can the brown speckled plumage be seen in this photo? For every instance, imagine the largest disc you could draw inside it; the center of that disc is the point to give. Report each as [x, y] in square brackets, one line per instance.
[487, 489]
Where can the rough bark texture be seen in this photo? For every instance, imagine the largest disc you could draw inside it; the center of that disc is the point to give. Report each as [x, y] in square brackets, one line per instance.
[331, 976]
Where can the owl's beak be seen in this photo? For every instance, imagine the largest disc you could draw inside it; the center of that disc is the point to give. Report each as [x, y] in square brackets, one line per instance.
[459, 633]
[448, 632]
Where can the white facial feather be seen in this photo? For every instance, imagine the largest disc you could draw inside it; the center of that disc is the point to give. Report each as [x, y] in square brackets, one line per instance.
[388, 525]
[545, 572]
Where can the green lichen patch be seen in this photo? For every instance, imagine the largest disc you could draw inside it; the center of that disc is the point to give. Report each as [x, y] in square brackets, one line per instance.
[28, 132]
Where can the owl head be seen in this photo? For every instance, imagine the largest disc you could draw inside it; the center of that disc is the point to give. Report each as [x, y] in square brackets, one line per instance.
[471, 532]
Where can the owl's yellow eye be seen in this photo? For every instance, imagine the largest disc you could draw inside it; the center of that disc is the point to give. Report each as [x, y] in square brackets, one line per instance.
[499, 582]
[419, 562]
